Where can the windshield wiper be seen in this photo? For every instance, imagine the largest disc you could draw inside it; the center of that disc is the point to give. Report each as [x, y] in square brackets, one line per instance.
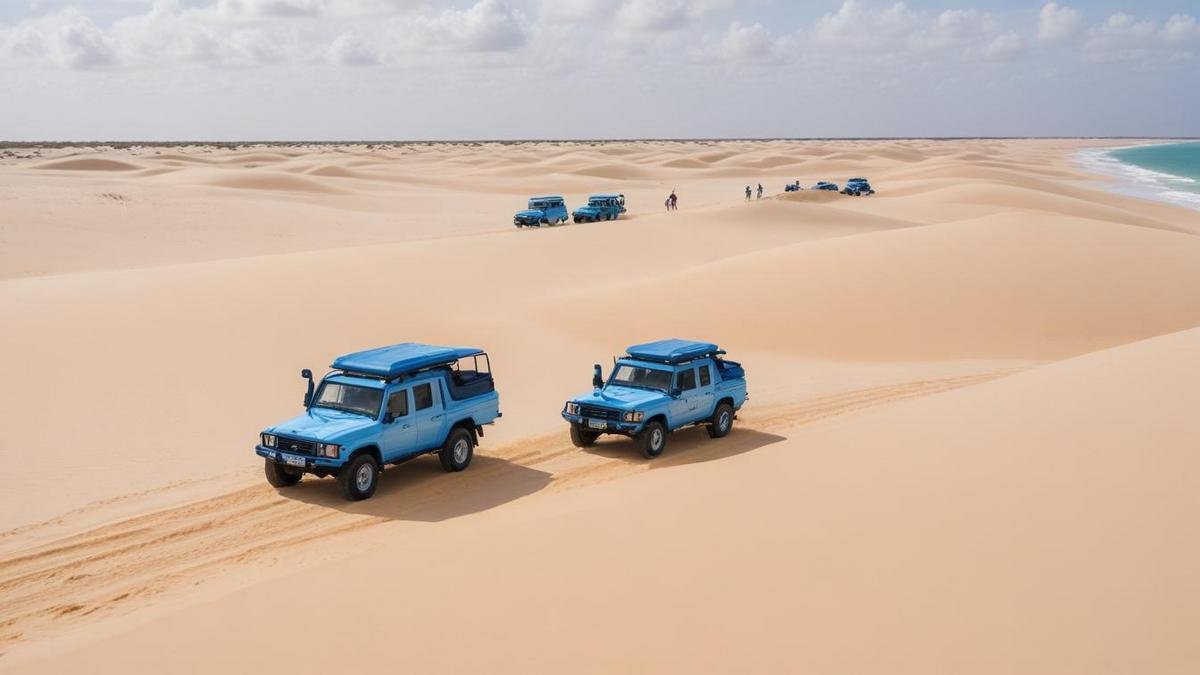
[349, 410]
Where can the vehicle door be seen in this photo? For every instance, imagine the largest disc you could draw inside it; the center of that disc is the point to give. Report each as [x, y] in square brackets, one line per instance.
[705, 399]
[398, 437]
[682, 405]
[428, 413]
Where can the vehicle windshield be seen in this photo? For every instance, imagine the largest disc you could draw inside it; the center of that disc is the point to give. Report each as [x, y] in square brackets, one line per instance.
[641, 377]
[597, 202]
[350, 398]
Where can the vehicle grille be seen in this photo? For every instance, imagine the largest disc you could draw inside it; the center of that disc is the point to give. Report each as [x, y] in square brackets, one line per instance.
[598, 413]
[297, 446]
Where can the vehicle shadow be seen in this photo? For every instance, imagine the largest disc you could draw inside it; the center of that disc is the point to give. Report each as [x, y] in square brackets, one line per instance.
[419, 490]
[686, 446]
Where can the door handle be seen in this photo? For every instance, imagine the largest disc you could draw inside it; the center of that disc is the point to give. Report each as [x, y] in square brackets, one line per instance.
[406, 426]
[436, 417]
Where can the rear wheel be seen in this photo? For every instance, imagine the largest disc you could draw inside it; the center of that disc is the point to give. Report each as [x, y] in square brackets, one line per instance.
[359, 478]
[652, 440]
[281, 476]
[722, 421]
[583, 438]
[457, 451]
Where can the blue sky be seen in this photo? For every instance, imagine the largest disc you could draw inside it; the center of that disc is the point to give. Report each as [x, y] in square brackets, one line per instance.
[409, 69]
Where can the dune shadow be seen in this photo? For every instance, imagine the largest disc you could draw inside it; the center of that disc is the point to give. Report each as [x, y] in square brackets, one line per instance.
[686, 446]
[419, 490]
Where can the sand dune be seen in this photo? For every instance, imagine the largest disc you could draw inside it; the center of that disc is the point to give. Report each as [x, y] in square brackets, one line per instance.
[967, 443]
[89, 164]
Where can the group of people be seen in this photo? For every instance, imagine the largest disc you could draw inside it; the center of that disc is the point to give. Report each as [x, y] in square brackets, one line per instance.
[750, 192]
[672, 202]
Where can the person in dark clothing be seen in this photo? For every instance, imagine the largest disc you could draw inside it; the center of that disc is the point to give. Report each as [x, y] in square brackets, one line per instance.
[747, 193]
[760, 190]
[673, 201]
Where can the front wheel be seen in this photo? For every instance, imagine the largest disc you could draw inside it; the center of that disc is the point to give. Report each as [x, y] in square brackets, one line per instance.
[583, 438]
[652, 440]
[722, 421]
[281, 476]
[457, 451]
[359, 478]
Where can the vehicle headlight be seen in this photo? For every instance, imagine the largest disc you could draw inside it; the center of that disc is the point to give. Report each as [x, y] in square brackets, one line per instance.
[633, 416]
[572, 408]
[268, 440]
[328, 450]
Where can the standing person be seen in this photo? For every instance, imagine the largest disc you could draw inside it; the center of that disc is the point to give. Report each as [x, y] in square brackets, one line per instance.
[674, 201]
[760, 190]
[747, 193]
[667, 203]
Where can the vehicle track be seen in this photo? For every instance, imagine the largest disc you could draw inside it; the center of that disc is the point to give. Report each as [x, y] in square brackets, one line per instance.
[51, 586]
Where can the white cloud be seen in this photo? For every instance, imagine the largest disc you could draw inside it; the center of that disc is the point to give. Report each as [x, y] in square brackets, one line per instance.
[1181, 27]
[750, 44]
[351, 50]
[486, 26]
[1121, 38]
[1004, 47]
[1058, 23]
[858, 25]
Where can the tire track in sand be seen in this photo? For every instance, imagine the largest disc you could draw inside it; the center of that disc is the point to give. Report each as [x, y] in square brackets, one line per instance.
[53, 585]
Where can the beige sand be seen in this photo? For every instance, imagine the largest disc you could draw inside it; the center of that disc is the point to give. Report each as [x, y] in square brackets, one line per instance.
[969, 446]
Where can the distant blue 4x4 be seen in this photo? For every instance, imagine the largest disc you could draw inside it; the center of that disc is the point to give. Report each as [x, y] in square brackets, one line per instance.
[658, 388]
[858, 187]
[600, 207]
[384, 406]
[548, 210]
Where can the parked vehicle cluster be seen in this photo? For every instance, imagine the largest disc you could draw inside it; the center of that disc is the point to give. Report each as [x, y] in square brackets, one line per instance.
[552, 210]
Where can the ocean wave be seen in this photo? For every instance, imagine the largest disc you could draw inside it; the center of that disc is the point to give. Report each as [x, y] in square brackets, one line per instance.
[1138, 181]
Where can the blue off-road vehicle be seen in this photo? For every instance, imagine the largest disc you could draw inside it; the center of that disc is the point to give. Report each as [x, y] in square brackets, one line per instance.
[600, 207]
[657, 388]
[858, 187]
[826, 185]
[548, 210]
[384, 406]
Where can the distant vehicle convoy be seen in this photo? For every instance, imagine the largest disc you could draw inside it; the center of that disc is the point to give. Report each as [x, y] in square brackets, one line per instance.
[548, 210]
[657, 388]
[384, 406]
[600, 207]
[855, 187]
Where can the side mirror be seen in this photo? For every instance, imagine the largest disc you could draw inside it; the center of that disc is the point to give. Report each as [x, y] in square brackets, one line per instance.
[597, 377]
[308, 395]
[388, 418]
[676, 393]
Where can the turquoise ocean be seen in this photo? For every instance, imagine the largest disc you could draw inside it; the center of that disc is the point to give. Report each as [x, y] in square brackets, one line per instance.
[1169, 172]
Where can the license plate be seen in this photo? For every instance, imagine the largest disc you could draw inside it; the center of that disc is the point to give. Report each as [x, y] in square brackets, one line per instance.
[293, 461]
[597, 424]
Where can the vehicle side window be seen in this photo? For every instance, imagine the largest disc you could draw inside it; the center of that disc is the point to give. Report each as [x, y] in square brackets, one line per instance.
[423, 396]
[705, 377]
[398, 403]
[687, 379]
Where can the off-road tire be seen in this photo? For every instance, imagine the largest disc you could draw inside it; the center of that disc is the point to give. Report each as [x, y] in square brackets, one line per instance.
[457, 451]
[281, 476]
[722, 421]
[349, 481]
[653, 440]
[583, 438]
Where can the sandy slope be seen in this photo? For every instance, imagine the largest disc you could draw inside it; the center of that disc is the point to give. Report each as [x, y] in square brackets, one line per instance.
[913, 471]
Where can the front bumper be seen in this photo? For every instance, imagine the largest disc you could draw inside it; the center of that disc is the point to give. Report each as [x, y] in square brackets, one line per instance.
[311, 463]
[610, 426]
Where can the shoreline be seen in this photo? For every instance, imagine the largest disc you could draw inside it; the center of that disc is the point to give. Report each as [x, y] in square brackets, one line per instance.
[1132, 180]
